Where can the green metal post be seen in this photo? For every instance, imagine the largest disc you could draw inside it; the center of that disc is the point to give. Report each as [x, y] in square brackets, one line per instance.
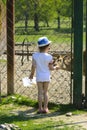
[86, 56]
[78, 47]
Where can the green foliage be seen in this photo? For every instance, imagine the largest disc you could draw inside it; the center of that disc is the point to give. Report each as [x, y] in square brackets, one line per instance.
[63, 8]
[3, 61]
[19, 100]
[42, 10]
[4, 1]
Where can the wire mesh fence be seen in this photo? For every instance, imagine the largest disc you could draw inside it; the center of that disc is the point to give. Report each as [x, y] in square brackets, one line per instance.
[34, 19]
[2, 27]
[3, 59]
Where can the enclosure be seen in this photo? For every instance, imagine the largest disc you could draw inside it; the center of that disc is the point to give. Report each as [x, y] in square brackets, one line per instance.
[26, 22]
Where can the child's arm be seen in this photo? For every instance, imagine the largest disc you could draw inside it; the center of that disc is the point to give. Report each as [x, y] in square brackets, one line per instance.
[32, 70]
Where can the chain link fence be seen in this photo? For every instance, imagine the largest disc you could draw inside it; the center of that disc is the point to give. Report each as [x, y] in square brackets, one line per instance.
[3, 58]
[34, 20]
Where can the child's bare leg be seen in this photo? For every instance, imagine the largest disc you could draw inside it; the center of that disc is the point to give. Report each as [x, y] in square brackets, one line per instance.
[40, 94]
[45, 88]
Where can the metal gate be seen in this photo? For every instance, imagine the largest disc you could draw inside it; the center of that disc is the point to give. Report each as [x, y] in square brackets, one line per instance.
[44, 18]
[34, 19]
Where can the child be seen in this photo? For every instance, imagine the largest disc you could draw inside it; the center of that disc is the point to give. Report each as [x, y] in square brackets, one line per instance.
[43, 63]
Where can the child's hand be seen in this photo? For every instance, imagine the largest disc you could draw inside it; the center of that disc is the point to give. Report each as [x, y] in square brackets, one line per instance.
[56, 67]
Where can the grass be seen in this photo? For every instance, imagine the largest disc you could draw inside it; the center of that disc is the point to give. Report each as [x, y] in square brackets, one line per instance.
[19, 110]
[62, 36]
[56, 36]
[52, 32]
[3, 61]
[56, 39]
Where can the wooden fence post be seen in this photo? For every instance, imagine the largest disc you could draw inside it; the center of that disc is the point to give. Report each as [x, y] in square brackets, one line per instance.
[10, 46]
[78, 48]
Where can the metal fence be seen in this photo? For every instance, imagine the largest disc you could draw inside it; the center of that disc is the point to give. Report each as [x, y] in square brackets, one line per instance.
[59, 30]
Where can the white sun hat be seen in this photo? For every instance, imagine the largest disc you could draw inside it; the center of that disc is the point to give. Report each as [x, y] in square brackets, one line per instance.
[43, 41]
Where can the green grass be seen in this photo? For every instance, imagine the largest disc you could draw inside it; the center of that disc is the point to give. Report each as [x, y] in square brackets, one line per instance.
[3, 61]
[23, 100]
[52, 23]
[52, 32]
[56, 39]
[14, 109]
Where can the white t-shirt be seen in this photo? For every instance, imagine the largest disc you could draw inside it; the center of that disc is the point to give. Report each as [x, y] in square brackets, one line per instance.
[42, 61]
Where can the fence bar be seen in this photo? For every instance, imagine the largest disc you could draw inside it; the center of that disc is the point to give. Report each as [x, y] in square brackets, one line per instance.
[0, 40]
[86, 56]
[78, 47]
[10, 47]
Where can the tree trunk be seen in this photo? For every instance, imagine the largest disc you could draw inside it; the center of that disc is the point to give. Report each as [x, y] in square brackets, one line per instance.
[36, 20]
[47, 23]
[26, 22]
[58, 19]
[58, 22]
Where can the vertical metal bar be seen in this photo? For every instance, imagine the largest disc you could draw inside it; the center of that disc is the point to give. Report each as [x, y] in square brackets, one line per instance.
[71, 86]
[0, 21]
[78, 47]
[0, 40]
[86, 56]
[0, 85]
[10, 47]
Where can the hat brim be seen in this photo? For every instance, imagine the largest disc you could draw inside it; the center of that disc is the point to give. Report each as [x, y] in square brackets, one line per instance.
[45, 44]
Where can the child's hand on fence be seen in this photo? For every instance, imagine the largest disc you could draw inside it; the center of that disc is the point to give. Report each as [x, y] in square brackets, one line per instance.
[56, 67]
[53, 67]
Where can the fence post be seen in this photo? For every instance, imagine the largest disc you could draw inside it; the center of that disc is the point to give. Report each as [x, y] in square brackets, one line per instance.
[86, 56]
[78, 47]
[0, 40]
[10, 46]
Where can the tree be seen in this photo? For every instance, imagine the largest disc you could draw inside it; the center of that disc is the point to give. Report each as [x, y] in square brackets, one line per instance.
[23, 10]
[42, 10]
[36, 15]
[20, 11]
[46, 11]
[4, 1]
[63, 8]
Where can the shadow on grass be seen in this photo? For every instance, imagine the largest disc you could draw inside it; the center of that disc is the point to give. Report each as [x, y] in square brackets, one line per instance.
[27, 115]
[31, 113]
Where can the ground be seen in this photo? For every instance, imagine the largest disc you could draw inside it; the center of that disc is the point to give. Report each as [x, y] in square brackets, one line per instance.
[80, 120]
[73, 120]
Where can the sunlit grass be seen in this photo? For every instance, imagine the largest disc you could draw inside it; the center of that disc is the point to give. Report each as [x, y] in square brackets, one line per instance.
[14, 109]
